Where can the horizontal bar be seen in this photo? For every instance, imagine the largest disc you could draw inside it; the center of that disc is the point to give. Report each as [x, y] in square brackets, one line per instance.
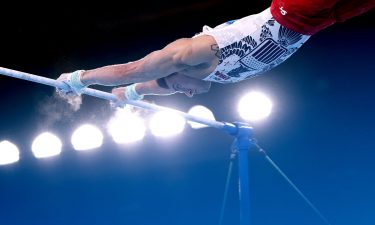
[230, 128]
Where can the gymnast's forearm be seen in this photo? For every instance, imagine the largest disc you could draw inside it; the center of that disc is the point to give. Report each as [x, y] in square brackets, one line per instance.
[114, 75]
[152, 88]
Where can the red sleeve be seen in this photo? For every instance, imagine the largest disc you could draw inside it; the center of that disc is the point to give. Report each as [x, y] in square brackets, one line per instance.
[347, 9]
[310, 16]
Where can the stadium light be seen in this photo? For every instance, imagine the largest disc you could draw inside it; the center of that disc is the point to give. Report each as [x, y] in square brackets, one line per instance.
[254, 106]
[9, 153]
[202, 112]
[87, 137]
[166, 124]
[46, 145]
[126, 127]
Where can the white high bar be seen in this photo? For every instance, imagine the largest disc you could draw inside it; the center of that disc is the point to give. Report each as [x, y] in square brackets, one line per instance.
[110, 97]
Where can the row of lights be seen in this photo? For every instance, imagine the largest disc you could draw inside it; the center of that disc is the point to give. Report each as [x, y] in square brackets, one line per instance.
[126, 127]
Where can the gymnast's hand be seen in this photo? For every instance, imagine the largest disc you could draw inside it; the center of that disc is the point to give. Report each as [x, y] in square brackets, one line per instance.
[74, 86]
[125, 93]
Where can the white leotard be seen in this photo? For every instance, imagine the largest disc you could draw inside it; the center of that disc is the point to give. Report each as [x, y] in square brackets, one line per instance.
[251, 46]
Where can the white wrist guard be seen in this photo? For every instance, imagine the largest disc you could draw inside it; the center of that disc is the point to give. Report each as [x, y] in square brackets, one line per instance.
[131, 93]
[74, 81]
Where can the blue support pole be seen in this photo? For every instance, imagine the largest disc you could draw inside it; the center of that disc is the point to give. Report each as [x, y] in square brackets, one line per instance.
[243, 143]
[244, 192]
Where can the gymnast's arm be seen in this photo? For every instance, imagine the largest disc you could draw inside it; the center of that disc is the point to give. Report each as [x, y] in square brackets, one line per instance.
[176, 83]
[177, 56]
[146, 88]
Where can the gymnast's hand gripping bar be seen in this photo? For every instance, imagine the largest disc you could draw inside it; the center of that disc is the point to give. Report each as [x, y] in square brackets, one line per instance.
[228, 127]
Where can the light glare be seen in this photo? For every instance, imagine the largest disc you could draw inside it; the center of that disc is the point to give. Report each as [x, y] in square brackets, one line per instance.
[9, 153]
[202, 112]
[126, 127]
[46, 145]
[166, 124]
[254, 106]
[87, 137]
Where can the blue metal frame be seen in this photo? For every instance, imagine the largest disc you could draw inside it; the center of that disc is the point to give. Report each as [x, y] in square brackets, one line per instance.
[243, 142]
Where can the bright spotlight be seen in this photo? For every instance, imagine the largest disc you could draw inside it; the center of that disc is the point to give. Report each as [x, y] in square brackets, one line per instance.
[254, 106]
[165, 124]
[200, 111]
[87, 137]
[46, 145]
[9, 153]
[126, 127]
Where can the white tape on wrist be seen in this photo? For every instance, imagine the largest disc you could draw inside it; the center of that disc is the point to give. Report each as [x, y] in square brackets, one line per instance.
[74, 81]
[131, 93]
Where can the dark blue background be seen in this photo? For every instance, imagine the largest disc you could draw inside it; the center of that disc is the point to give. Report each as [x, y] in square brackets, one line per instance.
[321, 131]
